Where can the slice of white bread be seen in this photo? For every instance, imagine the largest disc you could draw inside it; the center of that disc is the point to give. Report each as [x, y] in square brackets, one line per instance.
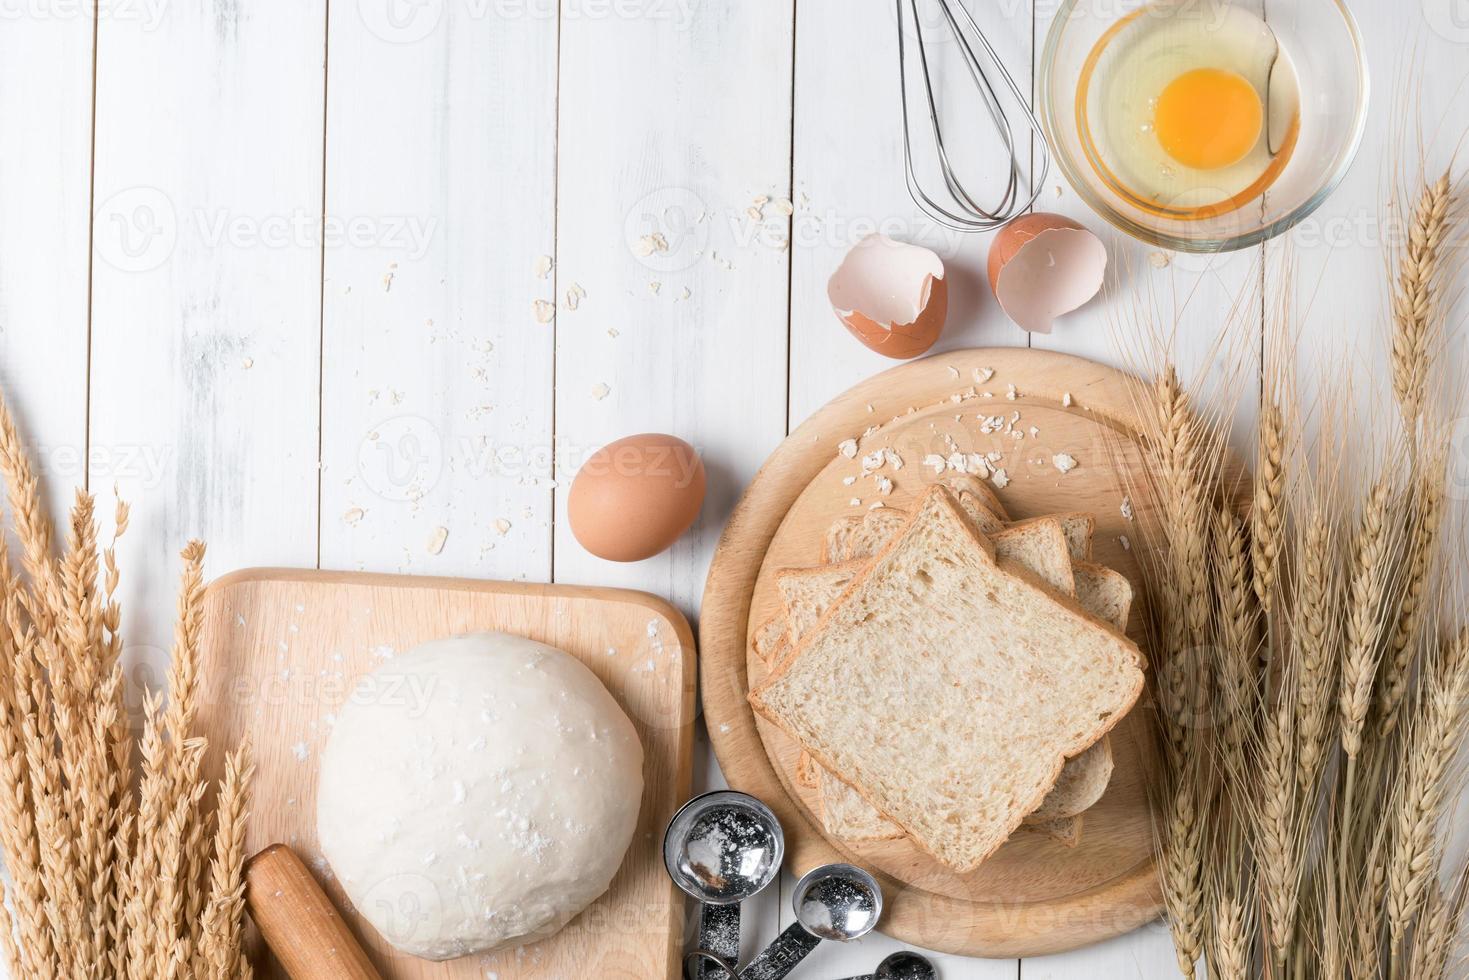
[834, 546]
[808, 592]
[1082, 782]
[846, 815]
[808, 773]
[1034, 545]
[1065, 831]
[918, 688]
[1106, 593]
[771, 640]
[854, 537]
[962, 483]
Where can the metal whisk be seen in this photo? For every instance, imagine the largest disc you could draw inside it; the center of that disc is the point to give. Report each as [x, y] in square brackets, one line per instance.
[957, 207]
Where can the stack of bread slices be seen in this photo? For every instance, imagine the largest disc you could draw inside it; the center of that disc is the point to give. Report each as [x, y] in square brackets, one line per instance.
[951, 675]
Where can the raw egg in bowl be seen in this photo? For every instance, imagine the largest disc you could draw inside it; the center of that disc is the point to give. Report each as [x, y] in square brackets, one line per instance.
[1204, 125]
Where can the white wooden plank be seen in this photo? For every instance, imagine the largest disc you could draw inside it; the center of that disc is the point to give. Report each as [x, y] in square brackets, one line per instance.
[205, 314]
[674, 119]
[1416, 123]
[1189, 301]
[849, 183]
[437, 382]
[1154, 294]
[45, 186]
[1146, 954]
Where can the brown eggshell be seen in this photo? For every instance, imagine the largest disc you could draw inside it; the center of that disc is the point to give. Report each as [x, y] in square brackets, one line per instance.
[634, 497]
[892, 296]
[1043, 265]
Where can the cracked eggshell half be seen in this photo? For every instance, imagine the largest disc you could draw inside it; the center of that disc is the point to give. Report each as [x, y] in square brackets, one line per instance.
[1042, 266]
[891, 295]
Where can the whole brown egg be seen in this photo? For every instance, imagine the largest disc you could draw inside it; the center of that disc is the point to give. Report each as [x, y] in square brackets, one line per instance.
[634, 497]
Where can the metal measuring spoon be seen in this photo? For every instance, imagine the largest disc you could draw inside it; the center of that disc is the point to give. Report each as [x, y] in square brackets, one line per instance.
[720, 849]
[836, 902]
[904, 965]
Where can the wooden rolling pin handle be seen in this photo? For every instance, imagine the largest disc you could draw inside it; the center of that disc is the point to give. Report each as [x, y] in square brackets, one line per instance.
[299, 923]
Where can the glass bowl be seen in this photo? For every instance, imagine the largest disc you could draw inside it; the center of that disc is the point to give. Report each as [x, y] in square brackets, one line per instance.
[1326, 49]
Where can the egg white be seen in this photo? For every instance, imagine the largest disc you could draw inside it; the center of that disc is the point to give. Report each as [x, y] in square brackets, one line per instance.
[1163, 41]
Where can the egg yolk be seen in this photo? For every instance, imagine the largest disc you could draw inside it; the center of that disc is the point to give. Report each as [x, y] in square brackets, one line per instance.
[1208, 118]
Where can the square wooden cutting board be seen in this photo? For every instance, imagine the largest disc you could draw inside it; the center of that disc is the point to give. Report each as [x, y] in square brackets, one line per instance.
[283, 648]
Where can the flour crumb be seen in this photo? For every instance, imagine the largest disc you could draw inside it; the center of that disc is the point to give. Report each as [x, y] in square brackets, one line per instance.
[436, 540]
[1064, 462]
[982, 375]
[648, 244]
[502, 526]
[1126, 544]
[545, 311]
[848, 448]
[1066, 401]
[300, 751]
[600, 391]
[353, 516]
[544, 265]
[574, 295]
[1000, 478]
[1126, 508]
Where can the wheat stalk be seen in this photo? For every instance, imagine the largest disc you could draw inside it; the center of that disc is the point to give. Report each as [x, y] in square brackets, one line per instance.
[1434, 743]
[1267, 515]
[1425, 517]
[1182, 866]
[107, 880]
[1373, 550]
[1313, 646]
[1235, 666]
[1415, 313]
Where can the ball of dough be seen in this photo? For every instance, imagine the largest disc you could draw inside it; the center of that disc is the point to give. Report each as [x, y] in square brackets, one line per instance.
[476, 793]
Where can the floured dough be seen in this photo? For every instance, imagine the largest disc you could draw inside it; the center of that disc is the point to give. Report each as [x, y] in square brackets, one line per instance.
[476, 793]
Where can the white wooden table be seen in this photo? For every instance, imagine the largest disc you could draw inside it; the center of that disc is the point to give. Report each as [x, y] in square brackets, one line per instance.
[329, 393]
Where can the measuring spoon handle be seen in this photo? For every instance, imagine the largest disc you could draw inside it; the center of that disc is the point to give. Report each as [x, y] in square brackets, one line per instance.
[719, 933]
[781, 956]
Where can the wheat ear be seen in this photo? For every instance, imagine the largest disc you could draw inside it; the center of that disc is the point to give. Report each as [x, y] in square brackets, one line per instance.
[1373, 552]
[1313, 645]
[1415, 314]
[218, 953]
[1425, 520]
[1267, 514]
[1432, 747]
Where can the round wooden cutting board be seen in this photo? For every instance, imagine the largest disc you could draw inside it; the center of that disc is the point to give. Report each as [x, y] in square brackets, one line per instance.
[1034, 896]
